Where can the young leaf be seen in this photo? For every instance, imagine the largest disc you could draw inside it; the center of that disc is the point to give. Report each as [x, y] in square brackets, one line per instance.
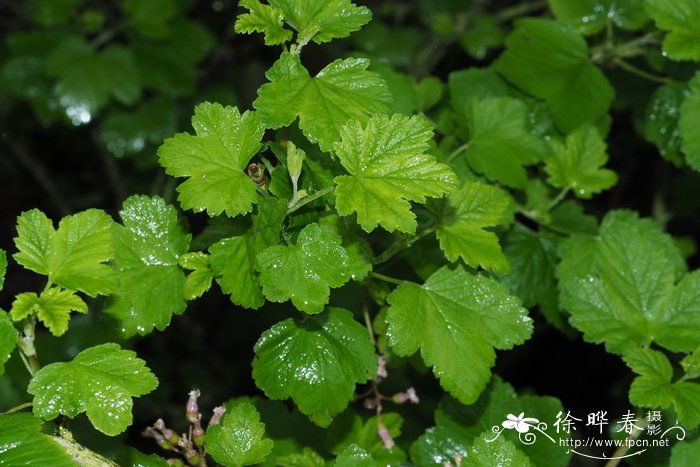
[550, 61]
[680, 18]
[661, 120]
[215, 160]
[199, 280]
[653, 388]
[71, 256]
[457, 320]
[52, 307]
[499, 142]
[592, 16]
[625, 292]
[8, 339]
[323, 20]
[233, 263]
[354, 455]
[577, 163]
[690, 113]
[457, 427]
[461, 230]
[23, 443]
[341, 91]
[304, 272]
[151, 283]
[388, 167]
[486, 452]
[239, 440]
[363, 434]
[265, 19]
[100, 381]
[533, 257]
[316, 362]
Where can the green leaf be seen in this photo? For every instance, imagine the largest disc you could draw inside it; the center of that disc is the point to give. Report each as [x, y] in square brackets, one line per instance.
[240, 439]
[485, 452]
[3, 267]
[306, 458]
[316, 362]
[353, 430]
[550, 61]
[215, 160]
[680, 18]
[170, 67]
[100, 381]
[592, 16]
[458, 427]
[265, 19]
[625, 291]
[533, 257]
[653, 388]
[461, 231]
[354, 455]
[199, 280]
[457, 320]
[685, 454]
[690, 113]
[150, 17]
[23, 443]
[388, 167]
[304, 272]
[576, 164]
[475, 84]
[87, 79]
[500, 143]
[52, 307]
[322, 20]
[151, 283]
[233, 263]
[71, 256]
[130, 457]
[661, 120]
[134, 131]
[8, 339]
[691, 364]
[53, 12]
[341, 91]
[484, 34]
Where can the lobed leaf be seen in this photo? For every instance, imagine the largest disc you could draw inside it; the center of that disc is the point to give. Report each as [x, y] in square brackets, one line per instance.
[304, 272]
[322, 20]
[23, 443]
[100, 381]
[215, 159]
[625, 292]
[592, 16]
[550, 61]
[52, 308]
[151, 283]
[265, 19]
[576, 164]
[461, 231]
[340, 92]
[8, 339]
[240, 438]
[233, 263]
[457, 320]
[500, 144]
[316, 361]
[72, 256]
[388, 167]
[680, 19]
[687, 128]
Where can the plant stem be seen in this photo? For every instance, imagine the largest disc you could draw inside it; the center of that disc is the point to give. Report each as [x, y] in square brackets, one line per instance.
[457, 152]
[368, 325]
[18, 408]
[400, 244]
[26, 346]
[641, 73]
[304, 201]
[384, 278]
[521, 9]
[620, 451]
[560, 196]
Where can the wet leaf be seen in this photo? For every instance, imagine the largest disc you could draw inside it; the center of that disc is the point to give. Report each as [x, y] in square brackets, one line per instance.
[240, 438]
[100, 381]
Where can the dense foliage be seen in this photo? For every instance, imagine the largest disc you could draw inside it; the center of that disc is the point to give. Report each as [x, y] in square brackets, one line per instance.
[311, 232]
